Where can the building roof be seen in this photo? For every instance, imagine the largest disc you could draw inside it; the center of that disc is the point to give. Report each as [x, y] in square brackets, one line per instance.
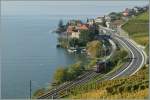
[83, 27]
[99, 17]
[69, 29]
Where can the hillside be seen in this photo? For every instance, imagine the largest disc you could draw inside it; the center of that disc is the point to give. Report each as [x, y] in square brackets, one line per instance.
[138, 28]
[135, 87]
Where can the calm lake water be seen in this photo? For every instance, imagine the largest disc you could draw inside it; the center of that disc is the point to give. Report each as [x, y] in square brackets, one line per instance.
[29, 47]
[29, 53]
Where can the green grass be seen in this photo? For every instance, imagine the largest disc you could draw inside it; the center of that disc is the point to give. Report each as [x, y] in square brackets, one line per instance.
[147, 49]
[141, 38]
[138, 28]
[138, 24]
[144, 16]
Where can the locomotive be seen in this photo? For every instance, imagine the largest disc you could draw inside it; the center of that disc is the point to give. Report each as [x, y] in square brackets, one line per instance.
[100, 66]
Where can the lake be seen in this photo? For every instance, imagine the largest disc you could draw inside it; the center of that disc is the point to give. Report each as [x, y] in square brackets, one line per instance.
[29, 47]
[30, 53]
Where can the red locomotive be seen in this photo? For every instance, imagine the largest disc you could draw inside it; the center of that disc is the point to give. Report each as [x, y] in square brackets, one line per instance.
[100, 66]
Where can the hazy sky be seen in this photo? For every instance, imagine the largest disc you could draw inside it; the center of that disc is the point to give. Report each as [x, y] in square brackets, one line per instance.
[12, 8]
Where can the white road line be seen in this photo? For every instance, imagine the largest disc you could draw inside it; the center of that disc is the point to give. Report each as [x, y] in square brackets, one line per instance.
[130, 63]
[113, 49]
[143, 58]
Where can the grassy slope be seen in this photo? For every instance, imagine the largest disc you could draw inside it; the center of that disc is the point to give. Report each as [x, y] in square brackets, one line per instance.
[138, 28]
[101, 94]
[135, 87]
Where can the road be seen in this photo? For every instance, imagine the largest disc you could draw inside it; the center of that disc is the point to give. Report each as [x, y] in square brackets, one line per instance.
[83, 79]
[128, 69]
[137, 55]
[137, 59]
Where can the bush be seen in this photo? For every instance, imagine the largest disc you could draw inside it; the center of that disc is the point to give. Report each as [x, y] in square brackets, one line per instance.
[94, 48]
[39, 92]
[138, 28]
[63, 42]
[67, 74]
[73, 42]
[119, 56]
[60, 75]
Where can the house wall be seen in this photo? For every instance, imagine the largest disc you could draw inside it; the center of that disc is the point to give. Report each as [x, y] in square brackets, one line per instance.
[75, 34]
[98, 20]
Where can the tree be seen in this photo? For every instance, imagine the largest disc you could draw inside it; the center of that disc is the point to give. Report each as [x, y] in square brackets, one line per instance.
[88, 35]
[84, 36]
[60, 75]
[60, 25]
[39, 92]
[119, 56]
[63, 42]
[87, 20]
[74, 70]
[74, 42]
[93, 31]
[94, 48]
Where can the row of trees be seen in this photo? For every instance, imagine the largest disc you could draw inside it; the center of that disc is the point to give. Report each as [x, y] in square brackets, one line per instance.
[67, 74]
[119, 57]
[61, 27]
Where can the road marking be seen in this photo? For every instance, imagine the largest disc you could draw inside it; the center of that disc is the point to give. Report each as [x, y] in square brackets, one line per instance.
[113, 49]
[130, 63]
[143, 58]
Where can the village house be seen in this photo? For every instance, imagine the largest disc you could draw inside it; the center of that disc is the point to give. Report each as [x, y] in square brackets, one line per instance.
[107, 21]
[75, 34]
[126, 12]
[107, 18]
[102, 30]
[99, 20]
[146, 7]
[136, 9]
[107, 24]
[69, 30]
[90, 22]
[74, 31]
[74, 22]
[82, 27]
[116, 23]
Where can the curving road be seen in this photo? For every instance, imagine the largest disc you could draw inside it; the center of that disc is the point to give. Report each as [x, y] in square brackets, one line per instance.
[137, 55]
[138, 59]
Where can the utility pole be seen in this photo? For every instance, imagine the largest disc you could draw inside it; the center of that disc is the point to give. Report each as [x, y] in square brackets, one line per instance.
[67, 40]
[30, 89]
[104, 56]
[52, 97]
[105, 59]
